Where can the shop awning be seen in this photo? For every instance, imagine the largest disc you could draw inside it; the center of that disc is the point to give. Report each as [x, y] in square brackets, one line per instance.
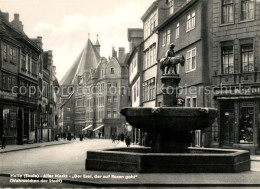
[98, 127]
[87, 127]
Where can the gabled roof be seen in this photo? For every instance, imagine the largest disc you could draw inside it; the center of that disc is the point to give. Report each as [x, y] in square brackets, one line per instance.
[150, 9]
[8, 30]
[87, 59]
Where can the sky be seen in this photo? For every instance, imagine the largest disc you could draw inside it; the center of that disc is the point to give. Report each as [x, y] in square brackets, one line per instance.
[65, 24]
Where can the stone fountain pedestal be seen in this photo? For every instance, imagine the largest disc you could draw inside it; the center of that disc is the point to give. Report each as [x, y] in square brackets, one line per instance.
[169, 127]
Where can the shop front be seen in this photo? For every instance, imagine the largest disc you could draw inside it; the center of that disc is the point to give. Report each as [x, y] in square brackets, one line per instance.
[238, 121]
[8, 123]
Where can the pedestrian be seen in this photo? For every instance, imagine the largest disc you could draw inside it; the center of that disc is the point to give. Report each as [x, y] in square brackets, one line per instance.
[81, 137]
[122, 137]
[3, 141]
[69, 137]
[99, 134]
[113, 138]
[128, 141]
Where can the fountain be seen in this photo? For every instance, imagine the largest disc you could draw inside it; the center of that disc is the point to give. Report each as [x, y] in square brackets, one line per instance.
[169, 127]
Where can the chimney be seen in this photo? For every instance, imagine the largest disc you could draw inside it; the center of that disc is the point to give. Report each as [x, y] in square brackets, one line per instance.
[49, 65]
[6, 16]
[16, 17]
[178, 4]
[16, 23]
[114, 53]
[121, 54]
[39, 41]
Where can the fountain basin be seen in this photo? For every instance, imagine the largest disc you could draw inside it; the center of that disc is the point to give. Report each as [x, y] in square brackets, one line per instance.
[170, 118]
[141, 160]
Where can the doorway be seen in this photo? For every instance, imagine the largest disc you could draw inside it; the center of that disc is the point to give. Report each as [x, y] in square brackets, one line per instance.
[227, 120]
[20, 127]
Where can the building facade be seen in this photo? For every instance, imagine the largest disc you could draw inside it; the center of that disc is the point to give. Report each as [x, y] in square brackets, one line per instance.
[188, 27]
[90, 107]
[135, 79]
[20, 71]
[154, 16]
[107, 95]
[235, 72]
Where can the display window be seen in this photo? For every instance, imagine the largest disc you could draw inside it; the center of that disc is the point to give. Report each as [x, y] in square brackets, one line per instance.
[9, 119]
[246, 124]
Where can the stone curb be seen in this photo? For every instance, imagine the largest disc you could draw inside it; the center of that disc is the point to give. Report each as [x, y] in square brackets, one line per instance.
[28, 148]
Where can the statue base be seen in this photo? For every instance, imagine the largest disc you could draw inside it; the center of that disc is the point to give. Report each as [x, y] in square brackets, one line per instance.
[170, 89]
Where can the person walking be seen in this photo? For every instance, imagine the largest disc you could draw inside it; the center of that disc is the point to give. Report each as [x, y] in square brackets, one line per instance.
[3, 142]
[128, 141]
[122, 137]
[113, 138]
[99, 134]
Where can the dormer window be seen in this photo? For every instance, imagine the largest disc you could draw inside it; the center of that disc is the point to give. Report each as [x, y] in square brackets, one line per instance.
[170, 7]
[92, 71]
[112, 71]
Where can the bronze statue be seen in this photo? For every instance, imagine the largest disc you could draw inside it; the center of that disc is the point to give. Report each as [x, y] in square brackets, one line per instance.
[170, 61]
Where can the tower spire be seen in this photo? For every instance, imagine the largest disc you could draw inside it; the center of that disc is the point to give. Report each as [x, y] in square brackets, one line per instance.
[97, 45]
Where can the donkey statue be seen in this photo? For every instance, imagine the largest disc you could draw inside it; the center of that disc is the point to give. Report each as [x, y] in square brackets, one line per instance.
[170, 63]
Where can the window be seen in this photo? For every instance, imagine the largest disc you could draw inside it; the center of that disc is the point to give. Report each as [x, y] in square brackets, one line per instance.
[8, 82]
[170, 7]
[191, 21]
[247, 9]
[191, 101]
[23, 67]
[177, 31]
[34, 68]
[134, 93]
[112, 71]
[246, 126]
[5, 51]
[227, 60]
[149, 25]
[29, 63]
[150, 56]
[114, 99]
[227, 12]
[109, 99]
[247, 57]
[102, 73]
[168, 39]
[109, 85]
[149, 90]
[13, 55]
[108, 114]
[197, 138]
[114, 114]
[92, 71]
[164, 38]
[191, 60]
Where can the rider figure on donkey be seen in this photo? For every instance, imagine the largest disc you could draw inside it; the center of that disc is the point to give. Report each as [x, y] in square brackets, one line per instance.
[170, 52]
[170, 62]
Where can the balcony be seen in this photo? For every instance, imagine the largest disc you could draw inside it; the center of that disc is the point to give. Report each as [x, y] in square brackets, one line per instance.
[237, 78]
